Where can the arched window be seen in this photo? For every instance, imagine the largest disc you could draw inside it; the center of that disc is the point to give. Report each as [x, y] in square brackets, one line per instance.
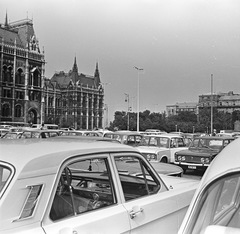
[36, 78]
[19, 77]
[18, 110]
[64, 102]
[70, 101]
[6, 110]
[10, 74]
[5, 73]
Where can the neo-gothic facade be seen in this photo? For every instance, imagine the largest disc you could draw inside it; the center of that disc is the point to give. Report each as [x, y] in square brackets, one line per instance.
[75, 99]
[67, 99]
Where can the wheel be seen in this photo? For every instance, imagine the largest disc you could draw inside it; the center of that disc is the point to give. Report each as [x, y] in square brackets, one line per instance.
[163, 160]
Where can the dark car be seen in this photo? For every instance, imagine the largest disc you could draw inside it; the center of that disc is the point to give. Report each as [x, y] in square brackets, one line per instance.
[201, 152]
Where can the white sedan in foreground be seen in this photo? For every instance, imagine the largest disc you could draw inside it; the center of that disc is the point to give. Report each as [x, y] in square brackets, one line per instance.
[215, 207]
[67, 186]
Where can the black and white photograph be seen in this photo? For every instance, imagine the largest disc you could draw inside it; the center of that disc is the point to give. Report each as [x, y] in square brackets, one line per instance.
[119, 116]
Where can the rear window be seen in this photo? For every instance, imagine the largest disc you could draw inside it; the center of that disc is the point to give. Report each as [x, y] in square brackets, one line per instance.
[6, 174]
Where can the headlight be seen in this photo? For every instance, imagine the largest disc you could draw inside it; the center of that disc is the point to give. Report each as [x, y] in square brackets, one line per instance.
[151, 157]
[181, 158]
[205, 160]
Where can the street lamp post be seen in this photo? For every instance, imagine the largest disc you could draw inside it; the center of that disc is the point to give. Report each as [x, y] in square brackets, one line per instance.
[211, 104]
[127, 100]
[138, 69]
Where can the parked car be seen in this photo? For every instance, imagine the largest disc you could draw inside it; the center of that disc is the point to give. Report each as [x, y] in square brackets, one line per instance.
[3, 131]
[153, 132]
[38, 133]
[68, 186]
[88, 133]
[201, 152]
[11, 135]
[161, 148]
[32, 133]
[216, 203]
[125, 137]
[45, 126]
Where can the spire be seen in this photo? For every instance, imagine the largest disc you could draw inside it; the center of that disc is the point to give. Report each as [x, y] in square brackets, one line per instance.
[75, 68]
[96, 74]
[6, 21]
[75, 71]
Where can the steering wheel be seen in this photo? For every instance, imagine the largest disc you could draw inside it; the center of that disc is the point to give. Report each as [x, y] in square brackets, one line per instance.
[66, 177]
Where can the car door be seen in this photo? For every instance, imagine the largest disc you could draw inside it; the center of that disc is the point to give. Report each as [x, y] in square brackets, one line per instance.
[86, 199]
[150, 206]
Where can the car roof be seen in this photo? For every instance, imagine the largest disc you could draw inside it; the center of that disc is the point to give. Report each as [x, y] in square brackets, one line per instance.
[228, 160]
[215, 137]
[124, 133]
[43, 156]
[168, 135]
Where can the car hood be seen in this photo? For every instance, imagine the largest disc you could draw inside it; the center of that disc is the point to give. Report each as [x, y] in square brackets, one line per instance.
[166, 168]
[179, 182]
[198, 152]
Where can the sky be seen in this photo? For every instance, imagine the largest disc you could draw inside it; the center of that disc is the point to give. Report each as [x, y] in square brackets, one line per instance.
[177, 43]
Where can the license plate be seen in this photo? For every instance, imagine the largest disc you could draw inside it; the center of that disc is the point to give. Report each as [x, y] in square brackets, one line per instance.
[192, 167]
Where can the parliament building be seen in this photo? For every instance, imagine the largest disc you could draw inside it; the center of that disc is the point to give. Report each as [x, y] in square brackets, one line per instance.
[69, 99]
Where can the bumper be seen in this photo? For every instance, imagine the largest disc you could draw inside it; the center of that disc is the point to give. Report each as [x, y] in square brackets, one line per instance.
[192, 166]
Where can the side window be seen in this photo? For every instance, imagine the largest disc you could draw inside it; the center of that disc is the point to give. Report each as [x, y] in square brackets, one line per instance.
[181, 142]
[219, 205]
[173, 143]
[136, 178]
[83, 186]
[153, 141]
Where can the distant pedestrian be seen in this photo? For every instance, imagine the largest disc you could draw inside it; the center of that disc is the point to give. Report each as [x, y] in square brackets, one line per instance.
[214, 132]
[42, 126]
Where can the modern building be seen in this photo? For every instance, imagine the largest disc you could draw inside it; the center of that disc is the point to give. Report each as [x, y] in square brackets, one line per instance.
[180, 107]
[26, 95]
[226, 102]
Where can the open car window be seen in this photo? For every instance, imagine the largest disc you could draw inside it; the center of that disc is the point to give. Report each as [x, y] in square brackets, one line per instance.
[84, 186]
[136, 177]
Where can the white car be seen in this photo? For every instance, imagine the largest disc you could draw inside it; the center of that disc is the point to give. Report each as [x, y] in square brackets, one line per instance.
[161, 148]
[215, 207]
[60, 185]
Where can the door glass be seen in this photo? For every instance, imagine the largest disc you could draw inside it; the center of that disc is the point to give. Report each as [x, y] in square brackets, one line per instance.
[219, 205]
[84, 186]
[136, 177]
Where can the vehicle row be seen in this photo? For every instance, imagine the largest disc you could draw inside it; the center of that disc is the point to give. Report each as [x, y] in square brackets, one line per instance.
[71, 184]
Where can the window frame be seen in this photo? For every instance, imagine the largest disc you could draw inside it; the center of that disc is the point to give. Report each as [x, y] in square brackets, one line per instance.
[153, 173]
[12, 173]
[75, 159]
[213, 218]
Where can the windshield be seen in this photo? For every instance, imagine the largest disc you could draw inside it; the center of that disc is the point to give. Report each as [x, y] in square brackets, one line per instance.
[5, 174]
[213, 144]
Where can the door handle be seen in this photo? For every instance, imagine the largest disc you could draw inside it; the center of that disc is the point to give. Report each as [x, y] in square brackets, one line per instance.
[135, 211]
